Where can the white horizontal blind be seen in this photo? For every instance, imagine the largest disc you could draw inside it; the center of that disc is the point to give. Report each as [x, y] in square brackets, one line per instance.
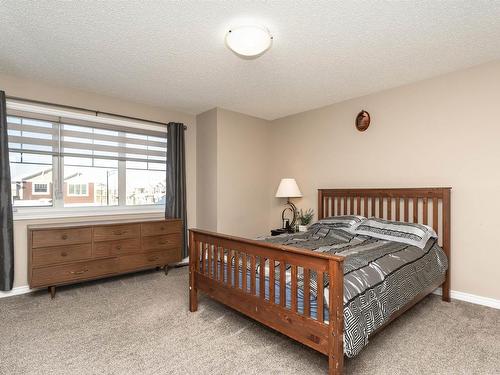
[34, 136]
[51, 135]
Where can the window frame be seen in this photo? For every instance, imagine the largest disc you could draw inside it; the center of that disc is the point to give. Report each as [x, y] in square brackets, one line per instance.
[56, 188]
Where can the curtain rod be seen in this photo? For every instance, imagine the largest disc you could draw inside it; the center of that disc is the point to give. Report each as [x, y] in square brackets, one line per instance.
[86, 109]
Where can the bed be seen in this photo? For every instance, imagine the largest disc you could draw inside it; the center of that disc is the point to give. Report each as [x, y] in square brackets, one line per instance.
[338, 318]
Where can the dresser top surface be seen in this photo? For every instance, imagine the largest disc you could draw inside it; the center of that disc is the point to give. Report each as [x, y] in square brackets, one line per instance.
[96, 223]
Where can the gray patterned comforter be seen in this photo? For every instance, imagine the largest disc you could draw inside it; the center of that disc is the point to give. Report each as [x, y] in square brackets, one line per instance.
[380, 276]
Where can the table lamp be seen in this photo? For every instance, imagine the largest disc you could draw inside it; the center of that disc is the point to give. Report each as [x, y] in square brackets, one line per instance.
[288, 188]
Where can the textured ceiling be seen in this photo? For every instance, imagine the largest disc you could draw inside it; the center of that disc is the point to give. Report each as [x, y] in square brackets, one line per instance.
[172, 54]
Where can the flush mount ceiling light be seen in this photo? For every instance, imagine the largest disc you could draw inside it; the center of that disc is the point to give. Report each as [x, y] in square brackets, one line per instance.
[249, 41]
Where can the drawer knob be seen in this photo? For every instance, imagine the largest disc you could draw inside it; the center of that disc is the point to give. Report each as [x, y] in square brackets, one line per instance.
[118, 247]
[152, 259]
[64, 254]
[64, 237]
[119, 232]
[79, 272]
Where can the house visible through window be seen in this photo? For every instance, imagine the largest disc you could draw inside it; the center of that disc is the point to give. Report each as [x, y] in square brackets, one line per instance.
[65, 162]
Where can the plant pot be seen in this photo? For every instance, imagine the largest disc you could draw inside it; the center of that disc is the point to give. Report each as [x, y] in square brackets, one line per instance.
[302, 228]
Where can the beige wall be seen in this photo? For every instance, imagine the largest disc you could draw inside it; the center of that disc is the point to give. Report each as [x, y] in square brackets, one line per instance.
[440, 132]
[206, 165]
[244, 196]
[233, 173]
[15, 86]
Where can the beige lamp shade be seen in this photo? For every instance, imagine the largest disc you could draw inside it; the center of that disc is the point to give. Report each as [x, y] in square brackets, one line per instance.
[288, 188]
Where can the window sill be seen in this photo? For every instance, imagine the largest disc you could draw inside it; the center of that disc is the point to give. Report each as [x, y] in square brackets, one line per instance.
[79, 212]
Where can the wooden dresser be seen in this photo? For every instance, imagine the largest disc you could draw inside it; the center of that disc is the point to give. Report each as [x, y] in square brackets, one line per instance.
[60, 254]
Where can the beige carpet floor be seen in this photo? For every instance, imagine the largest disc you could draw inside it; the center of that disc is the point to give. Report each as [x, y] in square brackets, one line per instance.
[140, 324]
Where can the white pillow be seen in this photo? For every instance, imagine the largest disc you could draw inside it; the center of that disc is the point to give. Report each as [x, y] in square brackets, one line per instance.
[397, 231]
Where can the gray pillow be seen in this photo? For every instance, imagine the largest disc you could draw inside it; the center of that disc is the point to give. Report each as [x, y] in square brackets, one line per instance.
[345, 222]
[397, 231]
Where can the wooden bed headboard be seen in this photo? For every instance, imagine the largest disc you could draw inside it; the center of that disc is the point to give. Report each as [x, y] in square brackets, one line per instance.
[430, 206]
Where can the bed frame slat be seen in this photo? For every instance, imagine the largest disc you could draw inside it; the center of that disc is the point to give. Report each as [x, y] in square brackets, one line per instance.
[252, 275]
[203, 257]
[406, 209]
[272, 281]
[426, 212]
[282, 283]
[236, 269]
[209, 259]
[221, 263]
[435, 214]
[294, 288]
[307, 292]
[244, 272]
[262, 277]
[320, 297]
[415, 210]
[398, 209]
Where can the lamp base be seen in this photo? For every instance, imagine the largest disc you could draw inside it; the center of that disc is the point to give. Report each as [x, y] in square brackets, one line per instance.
[293, 209]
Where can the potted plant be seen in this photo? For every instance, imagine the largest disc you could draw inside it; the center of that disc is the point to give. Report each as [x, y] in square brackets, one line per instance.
[305, 218]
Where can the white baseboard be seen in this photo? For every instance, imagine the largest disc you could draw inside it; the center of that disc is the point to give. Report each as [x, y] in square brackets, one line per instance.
[472, 298]
[16, 291]
[461, 296]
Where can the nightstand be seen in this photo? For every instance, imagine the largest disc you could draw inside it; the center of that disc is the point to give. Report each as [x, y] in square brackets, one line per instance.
[277, 232]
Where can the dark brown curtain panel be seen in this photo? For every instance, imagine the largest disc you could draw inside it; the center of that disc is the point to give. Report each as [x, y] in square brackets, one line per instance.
[175, 206]
[6, 223]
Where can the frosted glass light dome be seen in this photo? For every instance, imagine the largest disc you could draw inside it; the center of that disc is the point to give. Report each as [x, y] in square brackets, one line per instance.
[249, 40]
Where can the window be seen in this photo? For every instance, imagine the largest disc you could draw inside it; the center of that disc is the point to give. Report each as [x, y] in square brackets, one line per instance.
[90, 183]
[77, 190]
[84, 161]
[41, 188]
[31, 161]
[145, 186]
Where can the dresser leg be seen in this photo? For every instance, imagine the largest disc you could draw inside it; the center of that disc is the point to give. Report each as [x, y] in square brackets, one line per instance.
[52, 291]
[166, 268]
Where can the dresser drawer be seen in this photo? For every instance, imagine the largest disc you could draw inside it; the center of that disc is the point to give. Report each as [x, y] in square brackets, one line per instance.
[77, 271]
[55, 237]
[161, 227]
[149, 260]
[116, 232]
[112, 248]
[61, 254]
[167, 241]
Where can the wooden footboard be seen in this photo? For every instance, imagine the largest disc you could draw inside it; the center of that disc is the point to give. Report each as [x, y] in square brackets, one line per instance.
[227, 269]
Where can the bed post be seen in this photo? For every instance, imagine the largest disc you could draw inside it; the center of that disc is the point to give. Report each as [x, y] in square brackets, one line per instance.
[336, 317]
[193, 291]
[320, 204]
[446, 243]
